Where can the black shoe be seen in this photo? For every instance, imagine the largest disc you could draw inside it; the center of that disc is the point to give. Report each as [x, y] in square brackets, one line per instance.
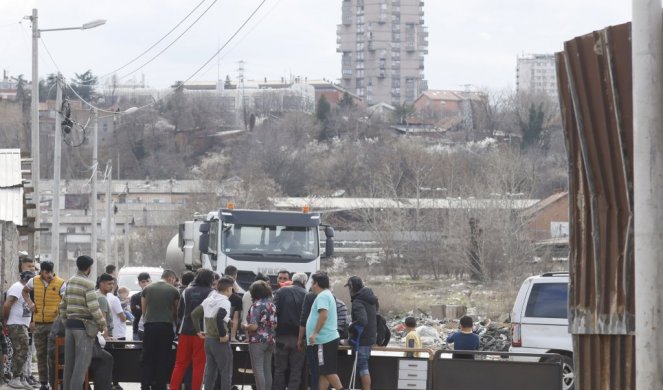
[44, 386]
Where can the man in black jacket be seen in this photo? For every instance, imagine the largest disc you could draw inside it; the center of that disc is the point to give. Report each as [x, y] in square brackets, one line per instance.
[191, 348]
[363, 328]
[288, 301]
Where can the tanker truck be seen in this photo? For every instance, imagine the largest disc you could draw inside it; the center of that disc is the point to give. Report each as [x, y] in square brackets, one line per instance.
[254, 241]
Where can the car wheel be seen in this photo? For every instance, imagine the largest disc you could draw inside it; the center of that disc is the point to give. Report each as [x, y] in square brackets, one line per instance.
[568, 372]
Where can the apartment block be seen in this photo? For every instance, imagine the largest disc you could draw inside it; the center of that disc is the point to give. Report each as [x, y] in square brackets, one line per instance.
[536, 73]
[383, 44]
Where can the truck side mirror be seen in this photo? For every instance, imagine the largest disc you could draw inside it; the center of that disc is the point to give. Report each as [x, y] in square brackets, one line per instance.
[329, 231]
[203, 240]
[329, 246]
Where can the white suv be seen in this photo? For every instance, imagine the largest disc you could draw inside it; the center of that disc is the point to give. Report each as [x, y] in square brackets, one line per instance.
[539, 321]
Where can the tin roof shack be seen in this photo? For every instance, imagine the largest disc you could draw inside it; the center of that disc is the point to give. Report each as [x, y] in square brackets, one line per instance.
[11, 214]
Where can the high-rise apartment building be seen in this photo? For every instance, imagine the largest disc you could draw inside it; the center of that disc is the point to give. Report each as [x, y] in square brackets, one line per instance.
[383, 44]
[536, 73]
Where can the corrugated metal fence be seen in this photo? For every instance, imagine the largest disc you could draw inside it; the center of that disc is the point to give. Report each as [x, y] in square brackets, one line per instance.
[595, 85]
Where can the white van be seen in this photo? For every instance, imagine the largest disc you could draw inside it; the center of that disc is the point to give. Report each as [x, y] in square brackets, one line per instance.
[539, 321]
[128, 277]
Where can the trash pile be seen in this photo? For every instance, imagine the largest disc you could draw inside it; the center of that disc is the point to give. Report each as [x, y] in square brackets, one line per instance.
[433, 333]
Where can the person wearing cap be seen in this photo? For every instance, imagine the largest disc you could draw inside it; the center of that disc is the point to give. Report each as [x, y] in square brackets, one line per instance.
[79, 309]
[17, 317]
[48, 290]
[363, 328]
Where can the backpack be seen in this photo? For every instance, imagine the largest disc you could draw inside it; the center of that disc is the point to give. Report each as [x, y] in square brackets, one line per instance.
[384, 334]
[342, 322]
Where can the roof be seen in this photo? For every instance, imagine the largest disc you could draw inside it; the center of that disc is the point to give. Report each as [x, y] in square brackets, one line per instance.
[137, 186]
[331, 204]
[438, 94]
[456, 96]
[545, 203]
[11, 186]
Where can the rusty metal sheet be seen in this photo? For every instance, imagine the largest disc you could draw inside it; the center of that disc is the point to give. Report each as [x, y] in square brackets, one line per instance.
[595, 89]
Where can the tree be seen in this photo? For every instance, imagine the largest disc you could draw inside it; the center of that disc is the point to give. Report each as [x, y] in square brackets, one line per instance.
[402, 112]
[47, 88]
[84, 84]
[228, 84]
[533, 128]
[346, 102]
[323, 109]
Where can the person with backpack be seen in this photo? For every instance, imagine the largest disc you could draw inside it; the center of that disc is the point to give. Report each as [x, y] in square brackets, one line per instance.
[287, 357]
[363, 328]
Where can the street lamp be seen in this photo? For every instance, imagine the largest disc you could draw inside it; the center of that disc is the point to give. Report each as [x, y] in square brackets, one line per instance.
[35, 137]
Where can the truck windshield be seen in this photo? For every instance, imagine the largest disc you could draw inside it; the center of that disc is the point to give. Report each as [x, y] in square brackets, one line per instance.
[270, 241]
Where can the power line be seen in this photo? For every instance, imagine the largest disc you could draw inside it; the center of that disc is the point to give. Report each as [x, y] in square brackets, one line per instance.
[239, 29]
[157, 42]
[172, 43]
[49, 54]
[264, 16]
[151, 47]
[228, 41]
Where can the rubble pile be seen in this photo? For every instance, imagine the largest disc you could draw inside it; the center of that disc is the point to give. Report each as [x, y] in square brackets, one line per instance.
[433, 333]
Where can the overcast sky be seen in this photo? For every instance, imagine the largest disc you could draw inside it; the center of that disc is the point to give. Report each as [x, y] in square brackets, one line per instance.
[471, 42]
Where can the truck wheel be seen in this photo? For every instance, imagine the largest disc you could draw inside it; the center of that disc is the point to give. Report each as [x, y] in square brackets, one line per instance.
[568, 372]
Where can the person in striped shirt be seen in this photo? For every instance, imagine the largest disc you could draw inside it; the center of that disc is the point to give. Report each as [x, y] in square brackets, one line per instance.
[80, 307]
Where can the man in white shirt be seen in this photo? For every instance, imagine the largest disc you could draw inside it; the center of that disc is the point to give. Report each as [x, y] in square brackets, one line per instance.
[17, 316]
[119, 318]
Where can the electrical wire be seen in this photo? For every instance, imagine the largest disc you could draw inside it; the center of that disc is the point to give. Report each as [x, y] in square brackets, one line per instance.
[170, 44]
[239, 29]
[236, 44]
[49, 54]
[228, 41]
[106, 75]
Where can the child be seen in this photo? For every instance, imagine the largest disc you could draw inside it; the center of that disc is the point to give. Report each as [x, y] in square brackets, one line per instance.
[464, 339]
[216, 312]
[412, 340]
[123, 294]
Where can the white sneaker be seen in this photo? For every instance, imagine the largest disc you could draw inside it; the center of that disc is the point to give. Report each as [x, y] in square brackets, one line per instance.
[26, 385]
[16, 383]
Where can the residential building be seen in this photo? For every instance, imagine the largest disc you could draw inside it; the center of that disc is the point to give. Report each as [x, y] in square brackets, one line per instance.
[536, 73]
[383, 43]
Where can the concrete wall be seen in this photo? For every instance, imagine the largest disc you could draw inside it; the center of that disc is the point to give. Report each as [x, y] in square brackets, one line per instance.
[8, 255]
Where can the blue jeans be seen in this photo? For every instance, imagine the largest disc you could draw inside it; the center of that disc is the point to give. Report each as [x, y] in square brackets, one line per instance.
[77, 357]
[363, 354]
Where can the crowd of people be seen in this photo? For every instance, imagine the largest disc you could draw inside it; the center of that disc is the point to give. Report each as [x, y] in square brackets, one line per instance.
[287, 329]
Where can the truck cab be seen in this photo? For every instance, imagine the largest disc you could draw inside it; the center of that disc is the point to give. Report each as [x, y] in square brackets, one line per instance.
[257, 241]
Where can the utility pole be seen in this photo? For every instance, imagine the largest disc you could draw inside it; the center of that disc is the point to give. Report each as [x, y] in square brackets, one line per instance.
[55, 225]
[126, 243]
[109, 202]
[647, 58]
[34, 125]
[93, 195]
[115, 252]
